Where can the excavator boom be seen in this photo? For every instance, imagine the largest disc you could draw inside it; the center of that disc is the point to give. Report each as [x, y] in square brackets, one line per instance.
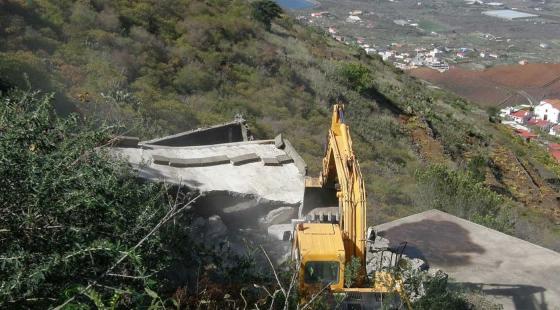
[341, 169]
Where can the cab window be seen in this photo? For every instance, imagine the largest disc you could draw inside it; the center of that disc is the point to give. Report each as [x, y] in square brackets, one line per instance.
[321, 272]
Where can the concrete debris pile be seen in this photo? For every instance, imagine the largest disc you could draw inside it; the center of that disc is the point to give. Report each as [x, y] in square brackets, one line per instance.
[414, 272]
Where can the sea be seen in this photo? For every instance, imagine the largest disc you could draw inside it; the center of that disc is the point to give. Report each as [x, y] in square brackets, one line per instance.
[295, 4]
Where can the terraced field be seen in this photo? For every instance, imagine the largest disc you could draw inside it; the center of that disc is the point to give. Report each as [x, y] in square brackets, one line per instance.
[497, 86]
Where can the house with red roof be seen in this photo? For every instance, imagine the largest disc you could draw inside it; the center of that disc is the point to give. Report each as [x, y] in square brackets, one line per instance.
[555, 154]
[525, 134]
[541, 123]
[520, 116]
[548, 110]
[554, 146]
[554, 151]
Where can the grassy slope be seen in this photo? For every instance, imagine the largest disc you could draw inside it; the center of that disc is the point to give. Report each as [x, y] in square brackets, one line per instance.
[184, 64]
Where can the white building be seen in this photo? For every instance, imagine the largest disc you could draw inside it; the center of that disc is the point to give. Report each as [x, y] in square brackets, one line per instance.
[555, 130]
[386, 55]
[353, 19]
[435, 52]
[370, 50]
[548, 110]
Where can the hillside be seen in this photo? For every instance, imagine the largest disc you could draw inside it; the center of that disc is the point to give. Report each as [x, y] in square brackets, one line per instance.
[155, 68]
[167, 68]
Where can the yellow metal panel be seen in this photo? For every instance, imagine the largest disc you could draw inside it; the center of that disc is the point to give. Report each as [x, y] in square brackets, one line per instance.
[320, 242]
[318, 229]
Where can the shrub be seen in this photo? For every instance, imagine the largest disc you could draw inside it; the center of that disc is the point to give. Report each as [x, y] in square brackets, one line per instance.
[356, 76]
[193, 78]
[68, 211]
[461, 194]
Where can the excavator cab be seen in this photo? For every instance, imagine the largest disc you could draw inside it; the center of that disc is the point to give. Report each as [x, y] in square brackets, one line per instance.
[319, 251]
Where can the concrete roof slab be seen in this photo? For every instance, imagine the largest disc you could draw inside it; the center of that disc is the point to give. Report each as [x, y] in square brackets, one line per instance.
[513, 272]
[283, 182]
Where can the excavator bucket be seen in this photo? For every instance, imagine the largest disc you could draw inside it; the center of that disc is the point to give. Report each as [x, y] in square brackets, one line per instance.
[320, 204]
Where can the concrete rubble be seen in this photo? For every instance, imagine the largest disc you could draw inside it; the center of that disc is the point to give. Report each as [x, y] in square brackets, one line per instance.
[381, 256]
[278, 216]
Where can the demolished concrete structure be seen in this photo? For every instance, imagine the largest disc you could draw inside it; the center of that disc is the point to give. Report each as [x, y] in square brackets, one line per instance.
[246, 168]
[511, 271]
[246, 183]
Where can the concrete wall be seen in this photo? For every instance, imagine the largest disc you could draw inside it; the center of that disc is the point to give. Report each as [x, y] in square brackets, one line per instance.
[293, 154]
[548, 112]
[226, 133]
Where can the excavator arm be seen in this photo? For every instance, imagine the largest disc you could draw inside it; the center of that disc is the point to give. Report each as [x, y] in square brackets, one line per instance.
[341, 170]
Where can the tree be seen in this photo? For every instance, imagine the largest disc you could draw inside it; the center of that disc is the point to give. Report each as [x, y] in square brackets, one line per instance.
[265, 11]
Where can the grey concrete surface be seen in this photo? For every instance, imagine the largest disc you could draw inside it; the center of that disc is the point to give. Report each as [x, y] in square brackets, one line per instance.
[245, 158]
[513, 272]
[271, 161]
[282, 182]
[293, 154]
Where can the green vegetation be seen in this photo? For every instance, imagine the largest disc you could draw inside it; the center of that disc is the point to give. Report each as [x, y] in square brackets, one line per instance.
[439, 296]
[462, 194]
[68, 211]
[430, 25]
[78, 227]
[352, 271]
[265, 11]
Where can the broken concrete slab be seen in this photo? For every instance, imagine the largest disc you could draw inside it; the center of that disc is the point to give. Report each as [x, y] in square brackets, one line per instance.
[283, 183]
[244, 159]
[282, 232]
[238, 211]
[298, 161]
[284, 159]
[271, 161]
[199, 162]
[279, 141]
[278, 216]
[510, 271]
[160, 160]
[235, 131]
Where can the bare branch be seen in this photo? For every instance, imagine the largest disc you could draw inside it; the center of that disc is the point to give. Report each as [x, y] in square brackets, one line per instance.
[274, 271]
[292, 282]
[129, 277]
[243, 297]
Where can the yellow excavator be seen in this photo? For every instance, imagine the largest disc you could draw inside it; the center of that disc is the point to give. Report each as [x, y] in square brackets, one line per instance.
[333, 236]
